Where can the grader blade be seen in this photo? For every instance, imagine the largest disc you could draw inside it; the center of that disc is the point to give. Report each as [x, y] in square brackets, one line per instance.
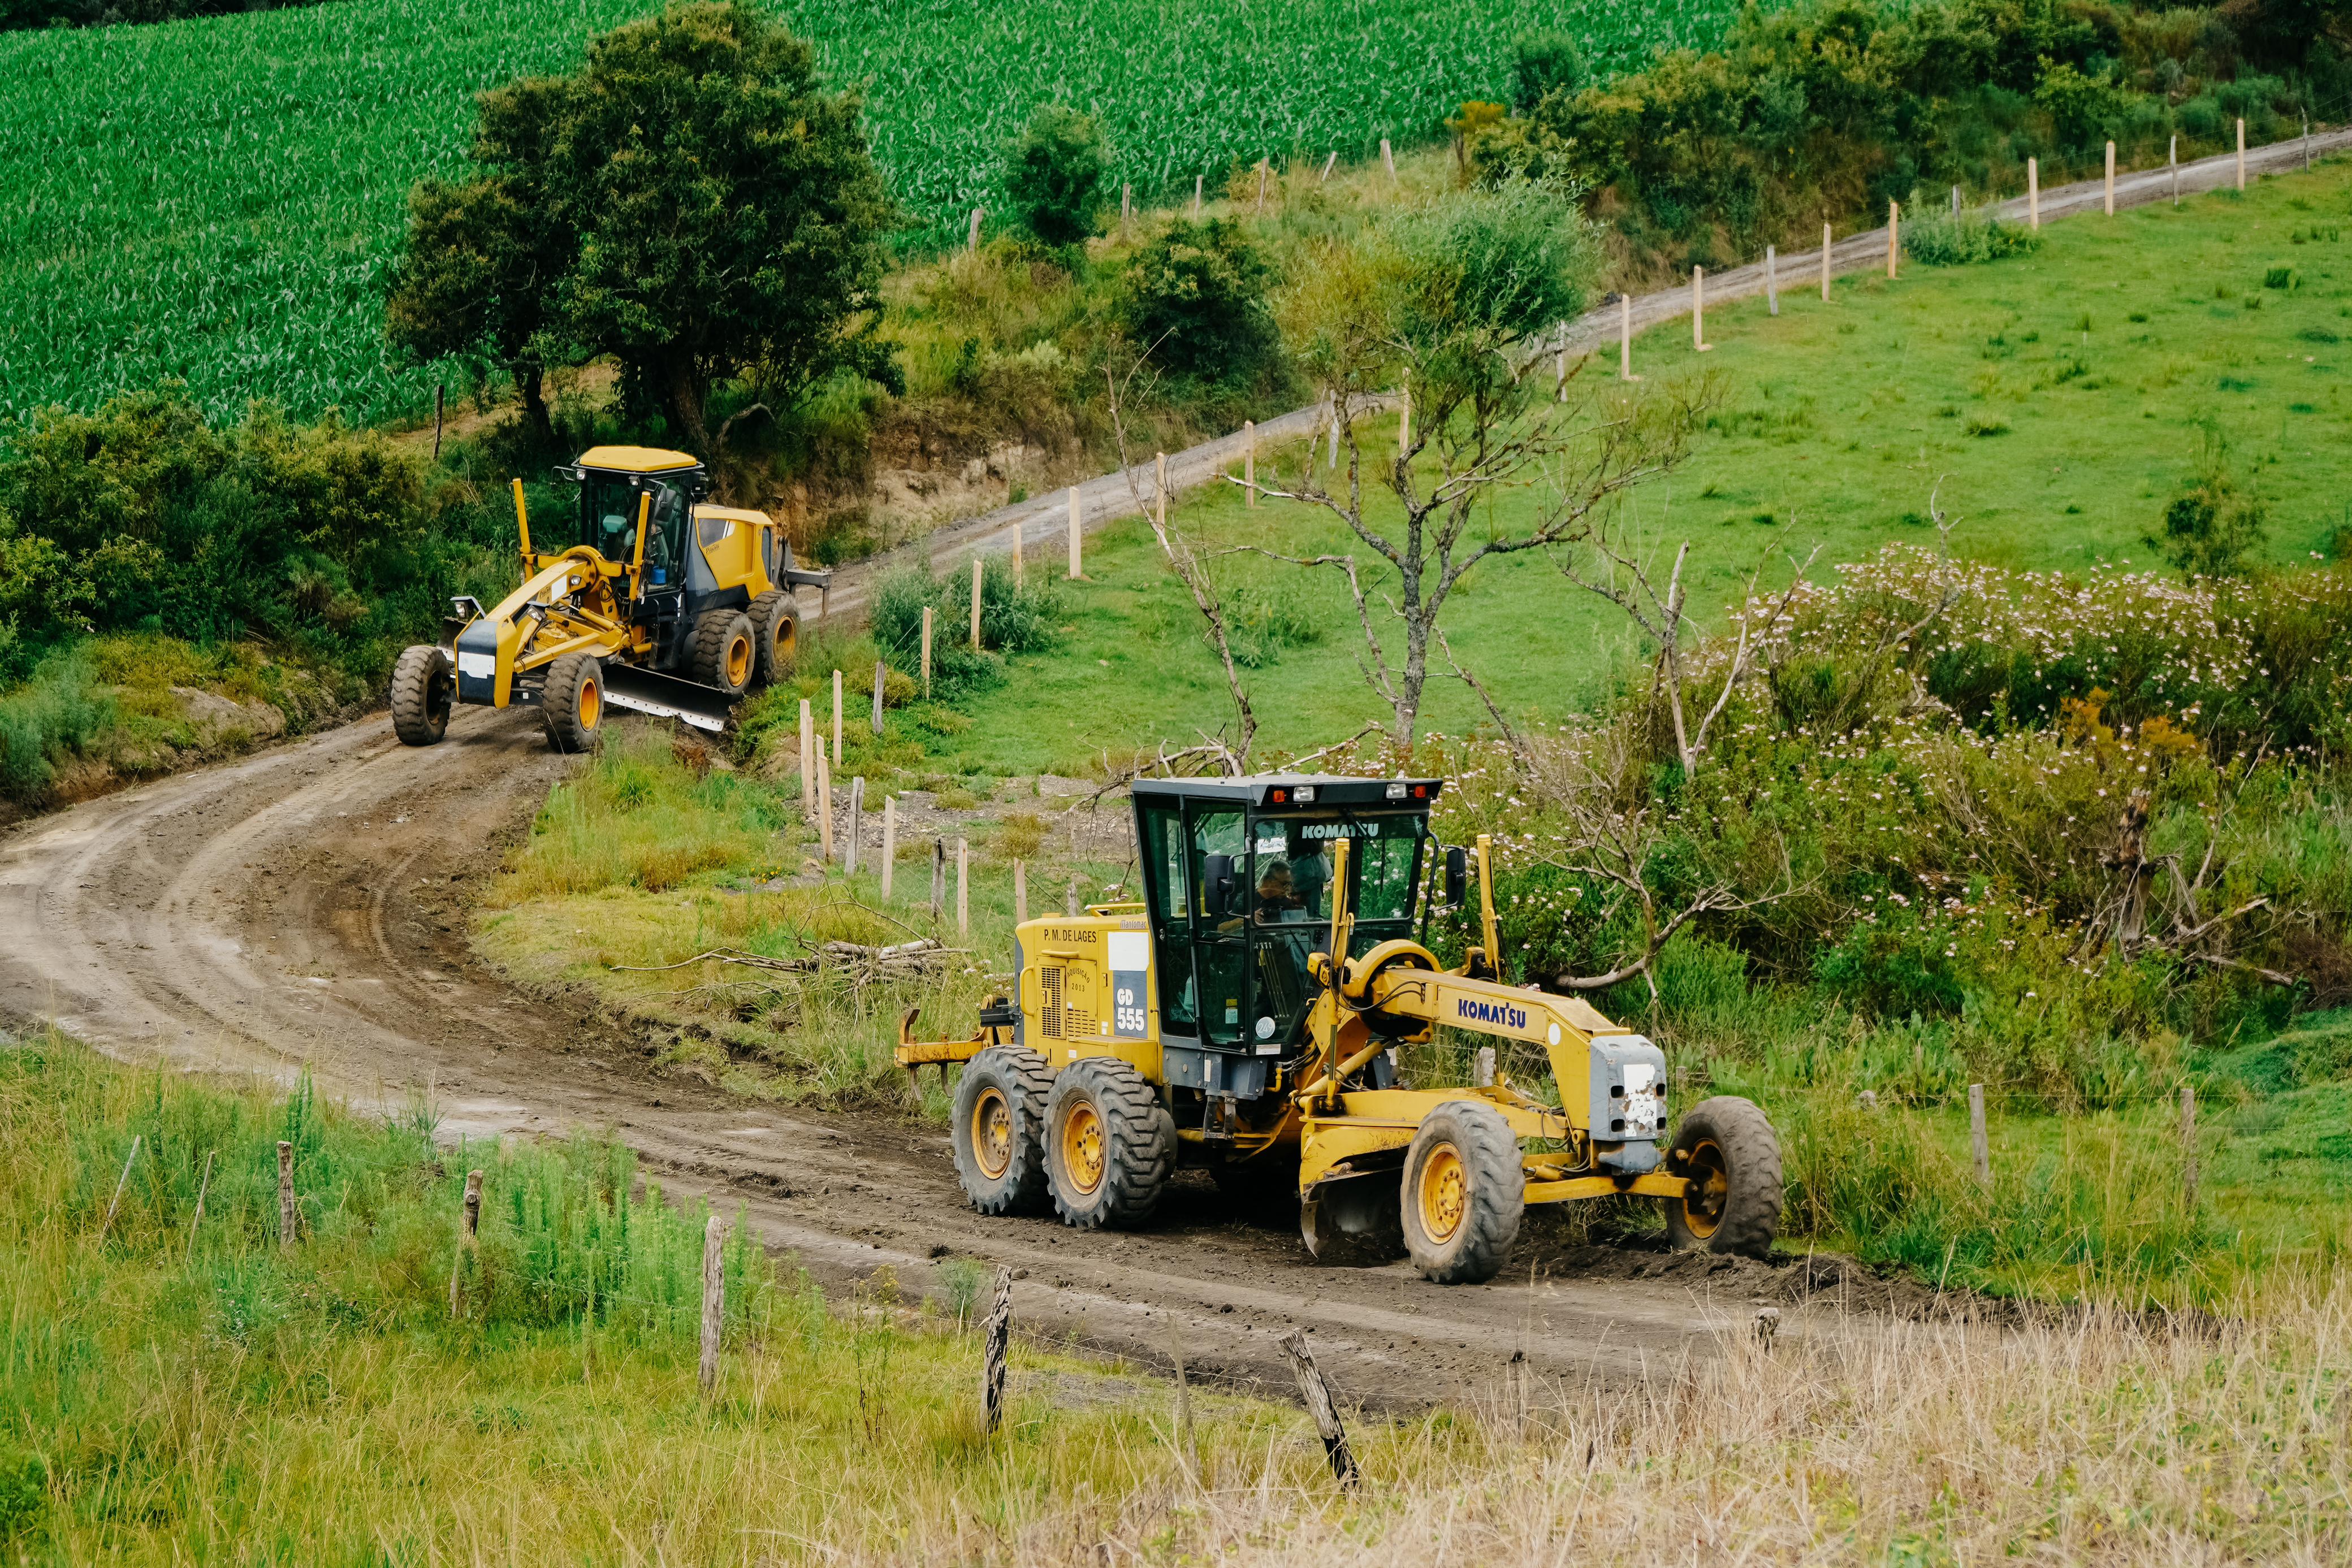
[667, 696]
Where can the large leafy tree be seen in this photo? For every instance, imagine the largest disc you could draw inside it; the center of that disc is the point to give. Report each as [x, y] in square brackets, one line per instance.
[692, 203]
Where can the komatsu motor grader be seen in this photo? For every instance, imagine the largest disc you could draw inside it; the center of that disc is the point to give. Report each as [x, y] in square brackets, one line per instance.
[1245, 1015]
[643, 598]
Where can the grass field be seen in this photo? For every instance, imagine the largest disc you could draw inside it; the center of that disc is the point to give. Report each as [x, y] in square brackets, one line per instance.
[1834, 424]
[180, 1391]
[219, 199]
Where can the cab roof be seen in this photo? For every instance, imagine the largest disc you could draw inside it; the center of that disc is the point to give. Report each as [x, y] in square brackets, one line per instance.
[636, 459]
[1284, 791]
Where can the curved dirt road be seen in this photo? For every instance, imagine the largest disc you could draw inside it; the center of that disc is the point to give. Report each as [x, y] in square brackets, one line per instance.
[307, 907]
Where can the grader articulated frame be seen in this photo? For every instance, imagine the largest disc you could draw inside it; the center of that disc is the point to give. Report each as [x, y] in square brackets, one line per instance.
[1246, 1014]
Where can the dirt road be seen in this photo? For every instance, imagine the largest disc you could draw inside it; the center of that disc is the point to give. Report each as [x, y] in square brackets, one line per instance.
[307, 907]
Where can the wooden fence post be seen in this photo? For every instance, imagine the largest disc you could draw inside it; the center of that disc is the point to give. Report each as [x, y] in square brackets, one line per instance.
[825, 807]
[2307, 141]
[939, 877]
[2189, 1147]
[1625, 338]
[2111, 179]
[1825, 263]
[714, 1297]
[1978, 1144]
[2033, 193]
[995, 1338]
[2242, 155]
[1699, 311]
[441, 392]
[469, 1228]
[878, 669]
[1317, 1395]
[1074, 533]
[1559, 369]
[927, 654]
[1196, 196]
[122, 1181]
[1955, 201]
[1484, 1075]
[1388, 159]
[857, 825]
[889, 842]
[1249, 463]
[824, 604]
[202, 1187]
[1404, 420]
[2172, 162]
[1261, 184]
[1125, 204]
[1771, 282]
[1331, 452]
[1020, 567]
[286, 1215]
[1070, 900]
[975, 604]
[1020, 893]
[971, 240]
[1159, 489]
[1894, 231]
[963, 887]
[836, 719]
[808, 762]
[1328, 163]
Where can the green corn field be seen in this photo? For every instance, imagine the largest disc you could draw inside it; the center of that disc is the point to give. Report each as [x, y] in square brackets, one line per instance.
[218, 201]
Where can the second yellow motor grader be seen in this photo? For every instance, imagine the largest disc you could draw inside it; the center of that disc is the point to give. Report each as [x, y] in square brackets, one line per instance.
[1246, 1015]
[643, 598]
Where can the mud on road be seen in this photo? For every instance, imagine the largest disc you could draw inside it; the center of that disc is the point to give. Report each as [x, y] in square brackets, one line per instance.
[307, 907]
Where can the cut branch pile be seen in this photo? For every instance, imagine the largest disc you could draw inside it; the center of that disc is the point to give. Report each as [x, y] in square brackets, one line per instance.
[852, 960]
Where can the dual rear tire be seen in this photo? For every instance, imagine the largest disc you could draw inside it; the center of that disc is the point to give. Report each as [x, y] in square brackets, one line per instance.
[1094, 1143]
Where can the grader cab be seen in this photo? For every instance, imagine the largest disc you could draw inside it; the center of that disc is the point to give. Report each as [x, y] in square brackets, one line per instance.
[640, 595]
[1248, 1013]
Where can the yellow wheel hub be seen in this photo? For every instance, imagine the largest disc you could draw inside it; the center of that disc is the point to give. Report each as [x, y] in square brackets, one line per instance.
[591, 706]
[738, 661]
[1706, 1165]
[992, 1133]
[1445, 1193]
[1082, 1147]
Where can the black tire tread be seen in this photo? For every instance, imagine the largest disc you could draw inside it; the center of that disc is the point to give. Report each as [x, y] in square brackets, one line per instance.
[712, 631]
[560, 697]
[1751, 1210]
[1141, 1143]
[1029, 1083]
[1497, 1205]
[411, 684]
[763, 613]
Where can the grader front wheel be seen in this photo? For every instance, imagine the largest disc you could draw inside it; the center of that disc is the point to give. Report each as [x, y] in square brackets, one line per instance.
[999, 1116]
[1464, 1192]
[1726, 1149]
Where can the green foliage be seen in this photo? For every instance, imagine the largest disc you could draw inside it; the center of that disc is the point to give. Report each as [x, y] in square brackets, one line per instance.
[1014, 619]
[690, 202]
[1194, 297]
[1838, 105]
[1262, 620]
[114, 13]
[1054, 174]
[1942, 238]
[143, 515]
[1546, 63]
[2212, 524]
[47, 720]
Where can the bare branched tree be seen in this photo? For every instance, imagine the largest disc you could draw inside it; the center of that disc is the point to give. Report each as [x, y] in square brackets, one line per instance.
[1232, 751]
[1457, 311]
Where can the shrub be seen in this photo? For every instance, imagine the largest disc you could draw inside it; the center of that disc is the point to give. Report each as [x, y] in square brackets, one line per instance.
[2210, 526]
[1941, 238]
[1543, 64]
[1194, 296]
[1054, 174]
[1014, 619]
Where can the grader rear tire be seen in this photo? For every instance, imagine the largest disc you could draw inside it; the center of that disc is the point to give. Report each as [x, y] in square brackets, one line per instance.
[776, 625]
[1728, 1147]
[725, 653]
[1110, 1146]
[423, 693]
[1464, 1192]
[999, 1131]
[573, 701]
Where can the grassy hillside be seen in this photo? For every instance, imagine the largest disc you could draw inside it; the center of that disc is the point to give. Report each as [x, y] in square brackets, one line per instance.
[2053, 401]
[219, 199]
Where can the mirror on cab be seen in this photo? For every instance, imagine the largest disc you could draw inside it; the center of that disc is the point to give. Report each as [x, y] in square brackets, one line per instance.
[1457, 877]
[1217, 876]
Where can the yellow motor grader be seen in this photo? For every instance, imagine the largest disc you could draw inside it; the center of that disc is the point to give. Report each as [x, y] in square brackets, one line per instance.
[644, 598]
[1245, 1015]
